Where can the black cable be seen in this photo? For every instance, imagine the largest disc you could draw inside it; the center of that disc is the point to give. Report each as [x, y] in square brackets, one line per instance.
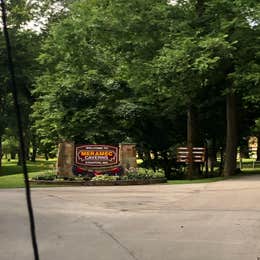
[20, 131]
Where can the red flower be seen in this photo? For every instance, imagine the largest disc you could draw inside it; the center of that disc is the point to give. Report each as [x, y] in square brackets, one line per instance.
[115, 170]
[79, 170]
[97, 173]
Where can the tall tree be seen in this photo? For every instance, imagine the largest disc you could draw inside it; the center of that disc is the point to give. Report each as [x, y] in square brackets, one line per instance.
[26, 20]
[207, 50]
[130, 67]
[100, 64]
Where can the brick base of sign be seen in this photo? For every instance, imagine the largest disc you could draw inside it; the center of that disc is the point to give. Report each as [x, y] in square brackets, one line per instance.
[100, 183]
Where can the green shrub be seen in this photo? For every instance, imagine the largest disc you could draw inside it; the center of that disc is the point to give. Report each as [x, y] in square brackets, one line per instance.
[130, 174]
[141, 173]
[105, 178]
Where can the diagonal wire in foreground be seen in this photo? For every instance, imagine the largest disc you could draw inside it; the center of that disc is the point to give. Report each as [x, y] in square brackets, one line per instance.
[20, 130]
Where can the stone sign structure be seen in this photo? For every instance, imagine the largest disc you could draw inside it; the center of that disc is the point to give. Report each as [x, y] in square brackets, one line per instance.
[68, 153]
[127, 155]
[65, 159]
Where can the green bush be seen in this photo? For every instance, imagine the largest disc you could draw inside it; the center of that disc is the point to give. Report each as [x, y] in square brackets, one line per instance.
[130, 174]
[105, 178]
[141, 173]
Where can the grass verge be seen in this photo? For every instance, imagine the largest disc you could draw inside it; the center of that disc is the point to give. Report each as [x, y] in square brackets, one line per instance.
[204, 180]
[11, 175]
[245, 172]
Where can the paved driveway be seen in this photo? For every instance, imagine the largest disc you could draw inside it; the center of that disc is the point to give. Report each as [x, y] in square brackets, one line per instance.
[214, 221]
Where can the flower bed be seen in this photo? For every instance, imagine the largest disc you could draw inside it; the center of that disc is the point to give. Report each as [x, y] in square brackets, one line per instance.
[99, 183]
[132, 176]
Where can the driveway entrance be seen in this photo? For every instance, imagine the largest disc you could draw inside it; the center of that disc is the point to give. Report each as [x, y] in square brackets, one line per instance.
[212, 221]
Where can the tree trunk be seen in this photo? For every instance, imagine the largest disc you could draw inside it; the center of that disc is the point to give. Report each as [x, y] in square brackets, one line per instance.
[13, 154]
[34, 153]
[200, 7]
[221, 165]
[34, 148]
[244, 149]
[166, 165]
[19, 157]
[1, 151]
[230, 161]
[193, 169]
[212, 154]
[206, 161]
[27, 147]
[46, 156]
[258, 148]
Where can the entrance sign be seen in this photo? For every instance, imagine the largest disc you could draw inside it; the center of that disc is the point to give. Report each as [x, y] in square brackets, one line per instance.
[96, 155]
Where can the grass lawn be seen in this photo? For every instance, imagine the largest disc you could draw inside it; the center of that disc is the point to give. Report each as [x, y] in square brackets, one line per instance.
[245, 171]
[204, 180]
[11, 175]
[250, 171]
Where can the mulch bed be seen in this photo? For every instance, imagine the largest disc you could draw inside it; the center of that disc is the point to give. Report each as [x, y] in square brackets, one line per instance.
[100, 183]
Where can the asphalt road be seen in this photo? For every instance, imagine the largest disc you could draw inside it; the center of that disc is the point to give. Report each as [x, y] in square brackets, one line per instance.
[213, 221]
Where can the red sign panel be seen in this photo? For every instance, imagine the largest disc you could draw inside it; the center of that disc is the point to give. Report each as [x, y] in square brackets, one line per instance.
[96, 155]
